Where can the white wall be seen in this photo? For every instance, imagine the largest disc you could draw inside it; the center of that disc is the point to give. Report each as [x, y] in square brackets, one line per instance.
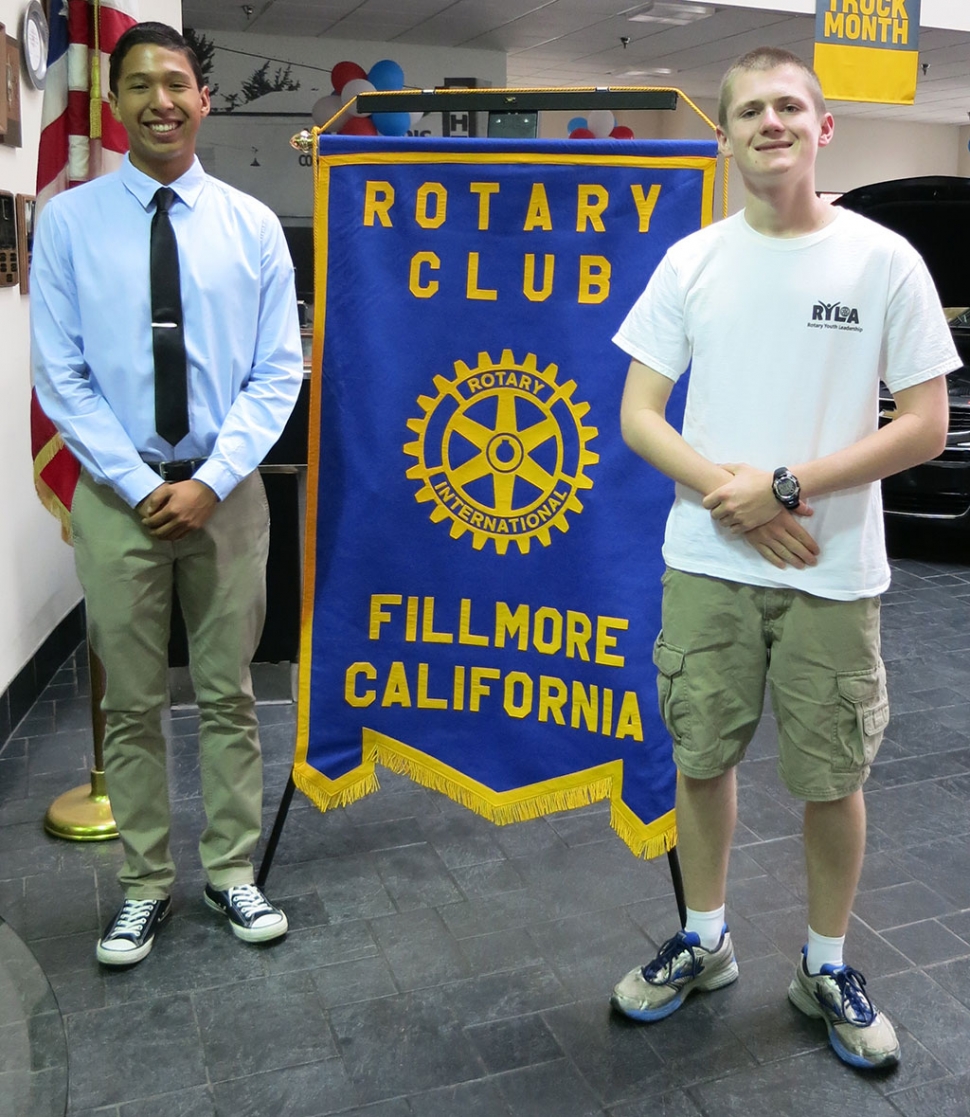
[864, 150]
[37, 583]
[963, 166]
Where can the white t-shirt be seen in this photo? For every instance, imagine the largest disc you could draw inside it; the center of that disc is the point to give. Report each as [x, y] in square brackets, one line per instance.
[787, 339]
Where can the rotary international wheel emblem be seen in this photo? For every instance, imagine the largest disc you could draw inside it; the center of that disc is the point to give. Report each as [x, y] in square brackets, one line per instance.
[501, 451]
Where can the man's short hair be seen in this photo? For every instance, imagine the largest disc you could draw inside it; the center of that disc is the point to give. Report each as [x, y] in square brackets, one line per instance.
[767, 58]
[159, 35]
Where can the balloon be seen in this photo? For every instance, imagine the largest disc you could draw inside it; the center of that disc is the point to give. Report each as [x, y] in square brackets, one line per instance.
[324, 109]
[344, 72]
[387, 75]
[621, 132]
[581, 134]
[601, 122]
[359, 126]
[576, 122]
[392, 123]
[350, 91]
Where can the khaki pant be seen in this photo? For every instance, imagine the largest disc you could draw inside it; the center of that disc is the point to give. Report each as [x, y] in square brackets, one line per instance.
[721, 642]
[128, 577]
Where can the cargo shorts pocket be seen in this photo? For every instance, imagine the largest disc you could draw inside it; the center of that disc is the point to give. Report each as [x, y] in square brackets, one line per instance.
[862, 717]
[672, 689]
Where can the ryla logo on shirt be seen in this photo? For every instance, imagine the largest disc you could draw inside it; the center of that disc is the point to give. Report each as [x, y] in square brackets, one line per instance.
[502, 451]
[835, 316]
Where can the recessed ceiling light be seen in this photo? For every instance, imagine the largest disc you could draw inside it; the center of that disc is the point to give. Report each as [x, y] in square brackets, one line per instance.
[657, 71]
[666, 11]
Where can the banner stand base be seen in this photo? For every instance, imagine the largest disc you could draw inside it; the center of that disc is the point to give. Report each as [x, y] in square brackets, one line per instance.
[266, 864]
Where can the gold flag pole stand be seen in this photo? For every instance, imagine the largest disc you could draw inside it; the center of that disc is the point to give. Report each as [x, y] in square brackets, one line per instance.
[83, 814]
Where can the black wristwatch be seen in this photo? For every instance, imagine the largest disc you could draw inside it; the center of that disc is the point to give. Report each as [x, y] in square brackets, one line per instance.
[786, 488]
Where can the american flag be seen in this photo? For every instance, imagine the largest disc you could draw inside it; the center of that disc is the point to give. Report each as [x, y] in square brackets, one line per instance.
[79, 140]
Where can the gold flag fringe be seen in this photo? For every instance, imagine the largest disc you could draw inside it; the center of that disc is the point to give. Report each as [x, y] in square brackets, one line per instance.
[578, 789]
[46, 494]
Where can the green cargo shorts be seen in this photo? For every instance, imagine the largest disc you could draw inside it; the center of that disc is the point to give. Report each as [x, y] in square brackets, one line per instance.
[721, 641]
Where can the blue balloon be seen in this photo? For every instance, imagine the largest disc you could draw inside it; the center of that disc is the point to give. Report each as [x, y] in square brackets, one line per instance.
[576, 122]
[386, 75]
[391, 123]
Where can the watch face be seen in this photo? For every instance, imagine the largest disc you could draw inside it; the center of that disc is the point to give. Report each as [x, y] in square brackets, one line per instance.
[786, 487]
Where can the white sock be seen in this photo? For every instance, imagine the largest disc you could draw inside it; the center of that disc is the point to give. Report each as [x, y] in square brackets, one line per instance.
[823, 951]
[709, 926]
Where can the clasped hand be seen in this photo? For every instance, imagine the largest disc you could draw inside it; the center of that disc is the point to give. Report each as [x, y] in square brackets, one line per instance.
[176, 508]
[746, 501]
[746, 506]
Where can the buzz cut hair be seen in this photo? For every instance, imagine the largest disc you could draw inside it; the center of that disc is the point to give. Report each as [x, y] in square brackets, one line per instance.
[767, 58]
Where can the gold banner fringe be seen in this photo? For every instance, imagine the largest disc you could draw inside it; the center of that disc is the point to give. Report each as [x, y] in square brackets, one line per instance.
[502, 814]
[336, 795]
[645, 840]
[643, 845]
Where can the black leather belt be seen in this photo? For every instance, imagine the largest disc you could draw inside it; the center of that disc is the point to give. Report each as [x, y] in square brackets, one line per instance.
[177, 471]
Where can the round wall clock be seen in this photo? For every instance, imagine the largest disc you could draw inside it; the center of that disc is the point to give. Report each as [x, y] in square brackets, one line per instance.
[34, 41]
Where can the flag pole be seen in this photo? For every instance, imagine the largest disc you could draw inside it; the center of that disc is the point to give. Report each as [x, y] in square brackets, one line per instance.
[83, 814]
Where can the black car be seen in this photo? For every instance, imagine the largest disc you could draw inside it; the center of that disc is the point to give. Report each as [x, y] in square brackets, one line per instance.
[933, 214]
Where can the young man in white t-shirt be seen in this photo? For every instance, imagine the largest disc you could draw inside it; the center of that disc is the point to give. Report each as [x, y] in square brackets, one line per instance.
[789, 314]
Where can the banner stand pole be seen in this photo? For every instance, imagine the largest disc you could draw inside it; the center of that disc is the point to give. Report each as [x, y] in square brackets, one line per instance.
[678, 882]
[283, 810]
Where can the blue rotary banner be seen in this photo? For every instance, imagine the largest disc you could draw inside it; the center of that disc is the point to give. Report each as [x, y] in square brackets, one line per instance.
[483, 552]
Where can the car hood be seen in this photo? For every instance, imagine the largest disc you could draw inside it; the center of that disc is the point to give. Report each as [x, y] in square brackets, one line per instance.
[933, 214]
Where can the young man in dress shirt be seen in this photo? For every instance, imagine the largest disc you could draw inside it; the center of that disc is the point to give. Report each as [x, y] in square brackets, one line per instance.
[774, 546]
[148, 514]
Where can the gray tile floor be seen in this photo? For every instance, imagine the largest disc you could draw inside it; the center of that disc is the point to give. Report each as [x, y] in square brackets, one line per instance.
[438, 965]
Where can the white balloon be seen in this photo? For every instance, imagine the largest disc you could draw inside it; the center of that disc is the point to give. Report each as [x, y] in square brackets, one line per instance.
[324, 109]
[350, 91]
[600, 122]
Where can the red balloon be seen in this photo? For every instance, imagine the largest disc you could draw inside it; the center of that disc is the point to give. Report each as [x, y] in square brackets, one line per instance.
[621, 132]
[344, 72]
[359, 126]
[581, 134]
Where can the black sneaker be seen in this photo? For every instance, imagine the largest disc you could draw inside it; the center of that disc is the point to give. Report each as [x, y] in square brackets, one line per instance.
[252, 917]
[129, 936]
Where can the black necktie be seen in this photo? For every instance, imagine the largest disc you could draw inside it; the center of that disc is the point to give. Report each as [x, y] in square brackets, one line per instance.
[168, 335]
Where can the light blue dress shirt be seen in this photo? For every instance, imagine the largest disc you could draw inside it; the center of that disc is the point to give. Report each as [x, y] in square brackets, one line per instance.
[90, 305]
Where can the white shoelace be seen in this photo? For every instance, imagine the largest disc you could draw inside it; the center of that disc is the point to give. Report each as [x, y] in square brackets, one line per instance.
[250, 901]
[133, 917]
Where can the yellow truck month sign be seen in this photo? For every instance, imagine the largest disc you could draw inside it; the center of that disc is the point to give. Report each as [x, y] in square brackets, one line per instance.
[868, 50]
[483, 552]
